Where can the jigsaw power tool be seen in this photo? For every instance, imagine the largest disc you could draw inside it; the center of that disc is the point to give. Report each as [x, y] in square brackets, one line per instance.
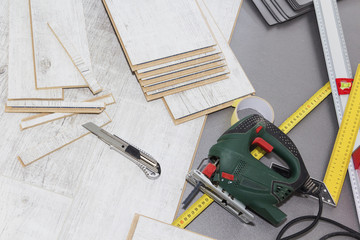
[237, 180]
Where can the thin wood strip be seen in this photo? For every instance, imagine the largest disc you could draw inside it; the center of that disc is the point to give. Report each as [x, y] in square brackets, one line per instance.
[182, 73]
[202, 81]
[178, 66]
[184, 88]
[235, 21]
[40, 119]
[187, 70]
[62, 139]
[83, 67]
[133, 226]
[54, 106]
[174, 58]
[34, 116]
[176, 81]
[21, 80]
[216, 50]
[54, 68]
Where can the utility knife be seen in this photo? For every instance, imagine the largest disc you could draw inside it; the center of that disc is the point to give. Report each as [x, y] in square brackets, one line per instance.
[143, 160]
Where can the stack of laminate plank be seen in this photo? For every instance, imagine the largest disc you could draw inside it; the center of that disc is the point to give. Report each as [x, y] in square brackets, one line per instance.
[168, 45]
[176, 51]
[48, 52]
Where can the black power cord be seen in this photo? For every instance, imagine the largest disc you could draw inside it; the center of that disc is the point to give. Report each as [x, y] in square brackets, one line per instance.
[348, 231]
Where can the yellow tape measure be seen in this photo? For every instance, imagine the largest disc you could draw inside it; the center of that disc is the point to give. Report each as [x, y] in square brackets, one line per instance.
[200, 205]
[193, 211]
[345, 140]
[299, 115]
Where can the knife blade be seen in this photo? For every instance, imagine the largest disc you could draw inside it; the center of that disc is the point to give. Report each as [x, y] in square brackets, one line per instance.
[146, 162]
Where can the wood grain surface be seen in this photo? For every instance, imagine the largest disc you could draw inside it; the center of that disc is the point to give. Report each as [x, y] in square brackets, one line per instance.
[83, 168]
[156, 31]
[82, 65]
[54, 68]
[36, 106]
[21, 84]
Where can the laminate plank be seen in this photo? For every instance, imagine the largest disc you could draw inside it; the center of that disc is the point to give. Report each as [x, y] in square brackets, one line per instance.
[182, 73]
[145, 228]
[39, 119]
[54, 68]
[170, 68]
[214, 50]
[173, 58]
[81, 65]
[183, 80]
[21, 79]
[62, 139]
[28, 212]
[156, 31]
[225, 14]
[184, 87]
[35, 106]
[211, 95]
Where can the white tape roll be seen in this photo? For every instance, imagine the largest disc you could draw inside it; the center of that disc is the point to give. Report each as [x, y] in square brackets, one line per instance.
[255, 103]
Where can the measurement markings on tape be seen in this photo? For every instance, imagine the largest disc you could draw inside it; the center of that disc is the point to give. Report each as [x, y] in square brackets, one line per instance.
[345, 140]
[338, 66]
[193, 211]
[298, 115]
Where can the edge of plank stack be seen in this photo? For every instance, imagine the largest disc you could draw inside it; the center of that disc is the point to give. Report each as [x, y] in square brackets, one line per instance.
[173, 52]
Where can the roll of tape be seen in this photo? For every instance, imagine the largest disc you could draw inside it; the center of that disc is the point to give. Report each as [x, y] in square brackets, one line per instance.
[258, 104]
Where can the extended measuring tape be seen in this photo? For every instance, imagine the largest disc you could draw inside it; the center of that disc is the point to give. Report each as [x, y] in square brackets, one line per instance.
[202, 203]
[338, 66]
[345, 141]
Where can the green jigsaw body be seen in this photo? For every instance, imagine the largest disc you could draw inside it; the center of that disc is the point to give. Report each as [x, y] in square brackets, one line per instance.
[259, 187]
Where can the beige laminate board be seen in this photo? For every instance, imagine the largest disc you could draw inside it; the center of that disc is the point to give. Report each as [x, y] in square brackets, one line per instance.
[43, 118]
[54, 68]
[30, 213]
[182, 73]
[36, 106]
[169, 68]
[21, 80]
[184, 80]
[145, 228]
[156, 31]
[81, 65]
[212, 95]
[225, 14]
[183, 87]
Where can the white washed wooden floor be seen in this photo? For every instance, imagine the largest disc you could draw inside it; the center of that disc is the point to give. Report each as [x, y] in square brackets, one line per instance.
[86, 190]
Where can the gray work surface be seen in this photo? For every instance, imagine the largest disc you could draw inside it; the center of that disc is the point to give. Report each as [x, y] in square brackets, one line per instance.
[286, 65]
